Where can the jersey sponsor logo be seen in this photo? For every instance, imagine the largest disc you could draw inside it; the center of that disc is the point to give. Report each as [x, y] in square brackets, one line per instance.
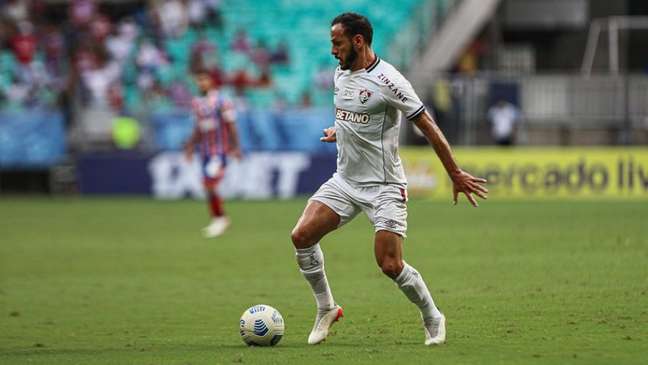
[391, 86]
[347, 94]
[353, 117]
[364, 96]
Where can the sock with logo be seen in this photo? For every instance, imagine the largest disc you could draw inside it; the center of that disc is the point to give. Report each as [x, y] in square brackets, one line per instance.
[311, 265]
[412, 285]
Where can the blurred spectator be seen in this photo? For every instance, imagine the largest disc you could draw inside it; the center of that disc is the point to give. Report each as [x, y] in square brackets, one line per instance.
[120, 45]
[180, 94]
[197, 12]
[115, 97]
[503, 117]
[241, 42]
[155, 98]
[99, 75]
[150, 60]
[100, 28]
[16, 10]
[150, 57]
[280, 54]
[55, 58]
[204, 56]
[173, 18]
[204, 49]
[24, 43]
[84, 58]
[82, 12]
[261, 55]
[28, 86]
[214, 14]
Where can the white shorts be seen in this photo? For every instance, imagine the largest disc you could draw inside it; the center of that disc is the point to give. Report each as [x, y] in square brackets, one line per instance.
[385, 205]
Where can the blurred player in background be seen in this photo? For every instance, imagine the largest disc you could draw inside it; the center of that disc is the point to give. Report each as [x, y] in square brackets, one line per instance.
[216, 137]
[370, 97]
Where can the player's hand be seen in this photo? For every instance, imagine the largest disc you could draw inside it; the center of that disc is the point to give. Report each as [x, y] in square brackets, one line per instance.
[188, 153]
[236, 152]
[329, 135]
[464, 182]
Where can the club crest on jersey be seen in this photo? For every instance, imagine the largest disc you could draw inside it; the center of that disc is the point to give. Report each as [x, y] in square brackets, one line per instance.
[364, 96]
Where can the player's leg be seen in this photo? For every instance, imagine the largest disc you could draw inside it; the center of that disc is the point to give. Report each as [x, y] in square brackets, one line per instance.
[315, 222]
[329, 208]
[389, 256]
[213, 172]
[388, 213]
[214, 201]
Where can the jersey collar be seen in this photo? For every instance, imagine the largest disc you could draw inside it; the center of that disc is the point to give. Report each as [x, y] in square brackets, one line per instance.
[373, 65]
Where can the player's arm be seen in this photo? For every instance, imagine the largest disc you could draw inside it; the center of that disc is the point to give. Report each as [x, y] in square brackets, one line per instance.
[235, 146]
[229, 115]
[190, 145]
[463, 182]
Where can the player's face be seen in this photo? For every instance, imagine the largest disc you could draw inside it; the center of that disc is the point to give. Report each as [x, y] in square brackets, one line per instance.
[204, 82]
[342, 47]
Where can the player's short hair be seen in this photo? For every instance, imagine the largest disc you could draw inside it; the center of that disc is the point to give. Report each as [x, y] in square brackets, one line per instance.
[197, 71]
[353, 24]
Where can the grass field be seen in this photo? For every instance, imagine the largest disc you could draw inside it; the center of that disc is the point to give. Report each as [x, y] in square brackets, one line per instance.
[130, 281]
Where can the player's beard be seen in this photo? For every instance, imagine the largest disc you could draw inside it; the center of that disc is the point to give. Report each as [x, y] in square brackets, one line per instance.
[350, 59]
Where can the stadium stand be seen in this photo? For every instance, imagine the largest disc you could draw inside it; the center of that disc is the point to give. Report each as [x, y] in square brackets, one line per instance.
[135, 59]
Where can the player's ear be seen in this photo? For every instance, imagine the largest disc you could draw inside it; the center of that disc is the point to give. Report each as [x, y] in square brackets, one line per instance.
[357, 41]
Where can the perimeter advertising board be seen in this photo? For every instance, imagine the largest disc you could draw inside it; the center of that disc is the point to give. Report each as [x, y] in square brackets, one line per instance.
[522, 173]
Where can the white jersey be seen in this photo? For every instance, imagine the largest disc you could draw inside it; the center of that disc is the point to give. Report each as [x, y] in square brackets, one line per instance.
[369, 104]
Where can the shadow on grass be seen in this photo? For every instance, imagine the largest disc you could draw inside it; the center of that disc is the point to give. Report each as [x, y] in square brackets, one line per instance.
[159, 349]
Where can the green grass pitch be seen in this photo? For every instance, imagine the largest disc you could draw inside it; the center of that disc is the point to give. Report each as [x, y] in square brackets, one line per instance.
[131, 281]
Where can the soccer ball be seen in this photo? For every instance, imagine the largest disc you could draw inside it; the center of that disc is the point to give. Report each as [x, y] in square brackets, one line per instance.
[261, 325]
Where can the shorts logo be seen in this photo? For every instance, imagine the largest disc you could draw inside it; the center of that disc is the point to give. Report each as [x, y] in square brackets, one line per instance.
[364, 95]
[390, 223]
[353, 117]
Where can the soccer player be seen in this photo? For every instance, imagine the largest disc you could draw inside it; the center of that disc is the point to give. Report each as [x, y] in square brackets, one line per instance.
[370, 97]
[216, 136]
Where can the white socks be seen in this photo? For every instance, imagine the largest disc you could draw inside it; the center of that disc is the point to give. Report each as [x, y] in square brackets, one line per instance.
[311, 264]
[411, 283]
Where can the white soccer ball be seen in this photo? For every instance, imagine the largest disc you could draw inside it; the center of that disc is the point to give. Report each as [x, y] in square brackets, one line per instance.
[261, 325]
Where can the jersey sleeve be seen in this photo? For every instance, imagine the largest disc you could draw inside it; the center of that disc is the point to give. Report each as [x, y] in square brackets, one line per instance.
[399, 93]
[194, 109]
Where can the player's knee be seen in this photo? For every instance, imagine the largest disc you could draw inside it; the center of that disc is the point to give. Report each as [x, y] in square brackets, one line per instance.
[300, 238]
[391, 267]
